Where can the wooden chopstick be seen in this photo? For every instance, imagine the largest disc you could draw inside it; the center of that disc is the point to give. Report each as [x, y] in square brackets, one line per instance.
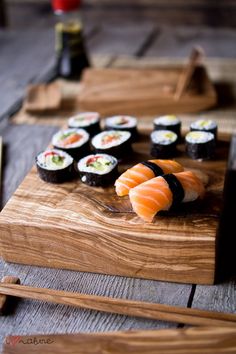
[187, 73]
[122, 306]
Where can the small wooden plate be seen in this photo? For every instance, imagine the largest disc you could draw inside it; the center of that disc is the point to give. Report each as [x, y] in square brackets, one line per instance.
[144, 91]
[43, 98]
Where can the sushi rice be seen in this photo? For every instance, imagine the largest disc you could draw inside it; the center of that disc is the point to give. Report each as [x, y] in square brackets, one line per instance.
[82, 120]
[54, 159]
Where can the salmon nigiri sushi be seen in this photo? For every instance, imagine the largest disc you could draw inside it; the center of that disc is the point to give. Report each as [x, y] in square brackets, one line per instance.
[144, 171]
[160, 193]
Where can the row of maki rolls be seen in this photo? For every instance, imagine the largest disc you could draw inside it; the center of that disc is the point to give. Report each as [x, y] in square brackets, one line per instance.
[84, 149]
[200, 142]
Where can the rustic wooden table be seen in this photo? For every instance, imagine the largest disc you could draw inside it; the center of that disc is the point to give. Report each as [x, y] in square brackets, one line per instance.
[143, 45]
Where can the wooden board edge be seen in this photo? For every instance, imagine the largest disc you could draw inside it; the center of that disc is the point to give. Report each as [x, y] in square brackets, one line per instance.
[191, 340]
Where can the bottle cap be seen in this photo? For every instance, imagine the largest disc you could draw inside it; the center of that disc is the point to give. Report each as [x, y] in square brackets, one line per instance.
[65, 5]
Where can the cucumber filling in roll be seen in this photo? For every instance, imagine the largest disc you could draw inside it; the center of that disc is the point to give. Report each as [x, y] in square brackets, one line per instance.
[55, 166]
[168, 122]
[206, 125]
[98, 169]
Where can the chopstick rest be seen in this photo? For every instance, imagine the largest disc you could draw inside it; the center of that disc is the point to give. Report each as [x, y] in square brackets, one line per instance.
[122, 306]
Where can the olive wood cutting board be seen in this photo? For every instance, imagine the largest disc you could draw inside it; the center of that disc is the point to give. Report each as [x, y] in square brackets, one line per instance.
[74, 226]
[144, 91]
[199, 340]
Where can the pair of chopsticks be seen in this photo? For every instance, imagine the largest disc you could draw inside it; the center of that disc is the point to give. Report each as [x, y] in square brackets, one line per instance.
[122, 306]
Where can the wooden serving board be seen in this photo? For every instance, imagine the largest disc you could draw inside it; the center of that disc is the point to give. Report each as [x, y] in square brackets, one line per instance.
[199, 340]
[74, 226]
[144, 91]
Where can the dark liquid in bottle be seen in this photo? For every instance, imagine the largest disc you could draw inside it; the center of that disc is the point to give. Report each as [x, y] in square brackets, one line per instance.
[71, 53]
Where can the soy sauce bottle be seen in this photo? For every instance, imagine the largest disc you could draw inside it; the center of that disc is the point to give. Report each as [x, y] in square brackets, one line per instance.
[71, 56]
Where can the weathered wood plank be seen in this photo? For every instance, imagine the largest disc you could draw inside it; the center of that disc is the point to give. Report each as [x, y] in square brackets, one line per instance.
[33, 317]
[184, 341]
[179, 41]
[21, 144]
[117, 39]
[218, 298]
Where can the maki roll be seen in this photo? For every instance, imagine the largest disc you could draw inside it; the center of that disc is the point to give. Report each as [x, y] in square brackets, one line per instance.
[163, 143]
[89, 121]
[206, 125]
[55, 166]
[98, 170]
[113, 142]
[200, 145]
[73, 141]
[169, 122]
[127, 123]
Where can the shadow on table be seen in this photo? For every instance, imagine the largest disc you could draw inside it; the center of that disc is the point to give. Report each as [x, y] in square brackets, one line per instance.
[226, 238]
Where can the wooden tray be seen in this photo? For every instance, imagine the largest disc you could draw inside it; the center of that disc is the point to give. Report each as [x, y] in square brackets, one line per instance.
[83, 228]
[144, 91]
[210, 340]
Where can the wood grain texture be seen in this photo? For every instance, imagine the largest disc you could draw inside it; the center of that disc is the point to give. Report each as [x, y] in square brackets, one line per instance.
[41, 317]
[178, 41]
[103, 235]
[116, 39]
[184, 341]
[119, 306]
[143, 92]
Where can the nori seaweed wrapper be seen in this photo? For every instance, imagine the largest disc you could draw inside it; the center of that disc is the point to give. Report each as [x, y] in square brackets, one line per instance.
[176, 128]
[175, 187]
[57, 176]
[96, 180]
[119, 151]
[163, 151]
[201, 150]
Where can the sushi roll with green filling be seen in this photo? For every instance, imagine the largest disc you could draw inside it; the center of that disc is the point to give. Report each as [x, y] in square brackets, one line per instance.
[206, 125]
[113, 142]
[123, 122]
[55, 166]
[200, 145]
[168, 122]
[89, 121]
[73, 141]
[163, 143]
[98, 170]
